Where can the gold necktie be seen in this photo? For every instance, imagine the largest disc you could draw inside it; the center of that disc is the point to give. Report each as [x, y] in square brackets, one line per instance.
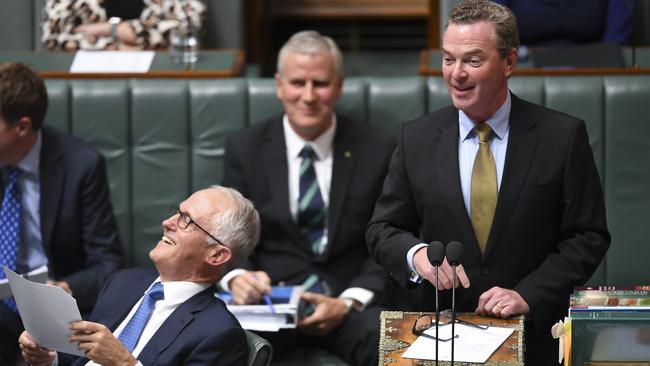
[484, 187]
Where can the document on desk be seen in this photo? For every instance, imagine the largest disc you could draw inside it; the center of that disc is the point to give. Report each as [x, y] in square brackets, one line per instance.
[282, 312]
[37, 275]
[112, 61]
[46, 312]
[472, 345]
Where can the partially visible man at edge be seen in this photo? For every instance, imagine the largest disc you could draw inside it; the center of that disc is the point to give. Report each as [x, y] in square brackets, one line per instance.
[513, 181]
[187, 324]
[56, 208]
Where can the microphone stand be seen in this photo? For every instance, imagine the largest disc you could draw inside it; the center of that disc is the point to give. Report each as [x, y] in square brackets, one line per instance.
[437, 315]
[453, 312]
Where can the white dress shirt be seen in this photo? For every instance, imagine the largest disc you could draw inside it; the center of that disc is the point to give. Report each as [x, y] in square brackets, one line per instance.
[176, 293]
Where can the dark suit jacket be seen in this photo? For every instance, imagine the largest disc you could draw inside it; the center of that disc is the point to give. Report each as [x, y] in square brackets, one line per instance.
[549, 232]
[78, 229]
[256, 165]
[201, 331]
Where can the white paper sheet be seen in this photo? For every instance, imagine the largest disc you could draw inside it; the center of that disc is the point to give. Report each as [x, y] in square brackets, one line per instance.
[472, 345]
[46, 312]
[37, 275]
[112, 61]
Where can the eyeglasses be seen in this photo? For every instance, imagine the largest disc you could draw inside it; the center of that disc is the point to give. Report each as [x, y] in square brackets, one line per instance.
[424, 322]
[184, 220]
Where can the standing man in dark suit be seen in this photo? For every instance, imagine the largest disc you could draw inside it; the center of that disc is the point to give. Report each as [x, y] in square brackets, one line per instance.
[58, 185]
[314, 176]
[513, 181]
[184, 323]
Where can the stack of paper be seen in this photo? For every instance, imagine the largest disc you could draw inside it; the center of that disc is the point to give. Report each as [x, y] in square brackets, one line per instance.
[284, 300]
[46, 312]
[472, 344]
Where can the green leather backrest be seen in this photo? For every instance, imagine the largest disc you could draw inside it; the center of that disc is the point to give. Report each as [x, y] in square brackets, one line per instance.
[260, 351]
[100, 116]
[627, 178]
[217, 109]
[392, 101]
[163, 139]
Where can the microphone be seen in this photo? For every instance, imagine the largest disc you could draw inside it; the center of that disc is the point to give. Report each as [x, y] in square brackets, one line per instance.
[454, 254]
[436, 254]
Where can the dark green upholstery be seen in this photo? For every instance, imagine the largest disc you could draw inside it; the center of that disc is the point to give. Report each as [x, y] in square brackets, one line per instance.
[163, 139]
[627, 178]
[260, 351]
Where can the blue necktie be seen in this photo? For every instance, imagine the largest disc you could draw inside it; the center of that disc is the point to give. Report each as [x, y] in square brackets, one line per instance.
[131, 333]
[311, 209]
[10, 226]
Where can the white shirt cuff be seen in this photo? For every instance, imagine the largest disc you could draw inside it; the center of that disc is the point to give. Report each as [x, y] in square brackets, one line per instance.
[225, 280]
[414, 276]
[359, 294]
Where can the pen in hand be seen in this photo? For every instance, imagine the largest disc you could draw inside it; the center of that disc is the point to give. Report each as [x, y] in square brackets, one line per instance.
[267, 298]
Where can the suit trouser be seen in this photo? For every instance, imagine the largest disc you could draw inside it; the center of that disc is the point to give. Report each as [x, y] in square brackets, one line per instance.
[356, 340]
[10, 328]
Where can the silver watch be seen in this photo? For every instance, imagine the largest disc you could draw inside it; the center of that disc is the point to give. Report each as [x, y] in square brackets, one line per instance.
[114, 22]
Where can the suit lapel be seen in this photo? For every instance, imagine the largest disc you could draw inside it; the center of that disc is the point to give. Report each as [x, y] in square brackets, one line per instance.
[344, 159]
[274, 157]
[175, 323]
[522, 143]
[52, 179]
[449, 180]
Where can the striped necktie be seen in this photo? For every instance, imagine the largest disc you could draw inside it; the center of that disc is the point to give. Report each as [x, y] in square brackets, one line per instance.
[484, 187]
[311, 209]
[133, 329]
[10, 226]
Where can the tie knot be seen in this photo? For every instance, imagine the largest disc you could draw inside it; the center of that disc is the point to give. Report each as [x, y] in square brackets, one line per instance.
[308, 152]
[156, 292]
[484, 132]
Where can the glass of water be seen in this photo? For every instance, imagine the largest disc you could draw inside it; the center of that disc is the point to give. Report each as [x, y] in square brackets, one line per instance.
[184, 46]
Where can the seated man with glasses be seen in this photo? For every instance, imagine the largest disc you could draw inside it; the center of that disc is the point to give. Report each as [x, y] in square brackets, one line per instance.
[171, 317]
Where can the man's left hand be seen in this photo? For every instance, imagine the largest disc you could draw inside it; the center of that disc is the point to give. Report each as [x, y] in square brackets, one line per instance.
[329, 313]
[100, 345]
[502, 303]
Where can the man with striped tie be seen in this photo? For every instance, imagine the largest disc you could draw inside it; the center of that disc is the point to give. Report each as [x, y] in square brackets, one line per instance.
[314, 175]
[171, 317]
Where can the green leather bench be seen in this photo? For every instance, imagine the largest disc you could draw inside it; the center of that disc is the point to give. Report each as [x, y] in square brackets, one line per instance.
[164, 139]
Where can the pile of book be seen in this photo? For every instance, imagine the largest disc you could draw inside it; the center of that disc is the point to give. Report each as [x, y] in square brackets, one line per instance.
[608, 324]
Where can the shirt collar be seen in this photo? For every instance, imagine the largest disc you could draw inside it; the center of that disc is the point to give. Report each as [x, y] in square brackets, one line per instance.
[31, 161]
[499, 121]
[177, 292]
[322, 144]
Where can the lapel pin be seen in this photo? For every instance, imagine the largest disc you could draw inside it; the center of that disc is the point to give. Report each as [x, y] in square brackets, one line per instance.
[347, 154]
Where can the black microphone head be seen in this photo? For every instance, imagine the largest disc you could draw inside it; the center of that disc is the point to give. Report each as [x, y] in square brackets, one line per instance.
[436, 253]
[454, 253]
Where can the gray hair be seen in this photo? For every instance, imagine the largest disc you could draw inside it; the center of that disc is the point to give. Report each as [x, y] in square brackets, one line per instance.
[502, 19]
[238, 227]
[311, 43]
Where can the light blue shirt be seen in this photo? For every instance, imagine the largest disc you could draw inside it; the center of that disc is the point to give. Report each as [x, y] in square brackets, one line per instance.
[467, 147]
[31, 254]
